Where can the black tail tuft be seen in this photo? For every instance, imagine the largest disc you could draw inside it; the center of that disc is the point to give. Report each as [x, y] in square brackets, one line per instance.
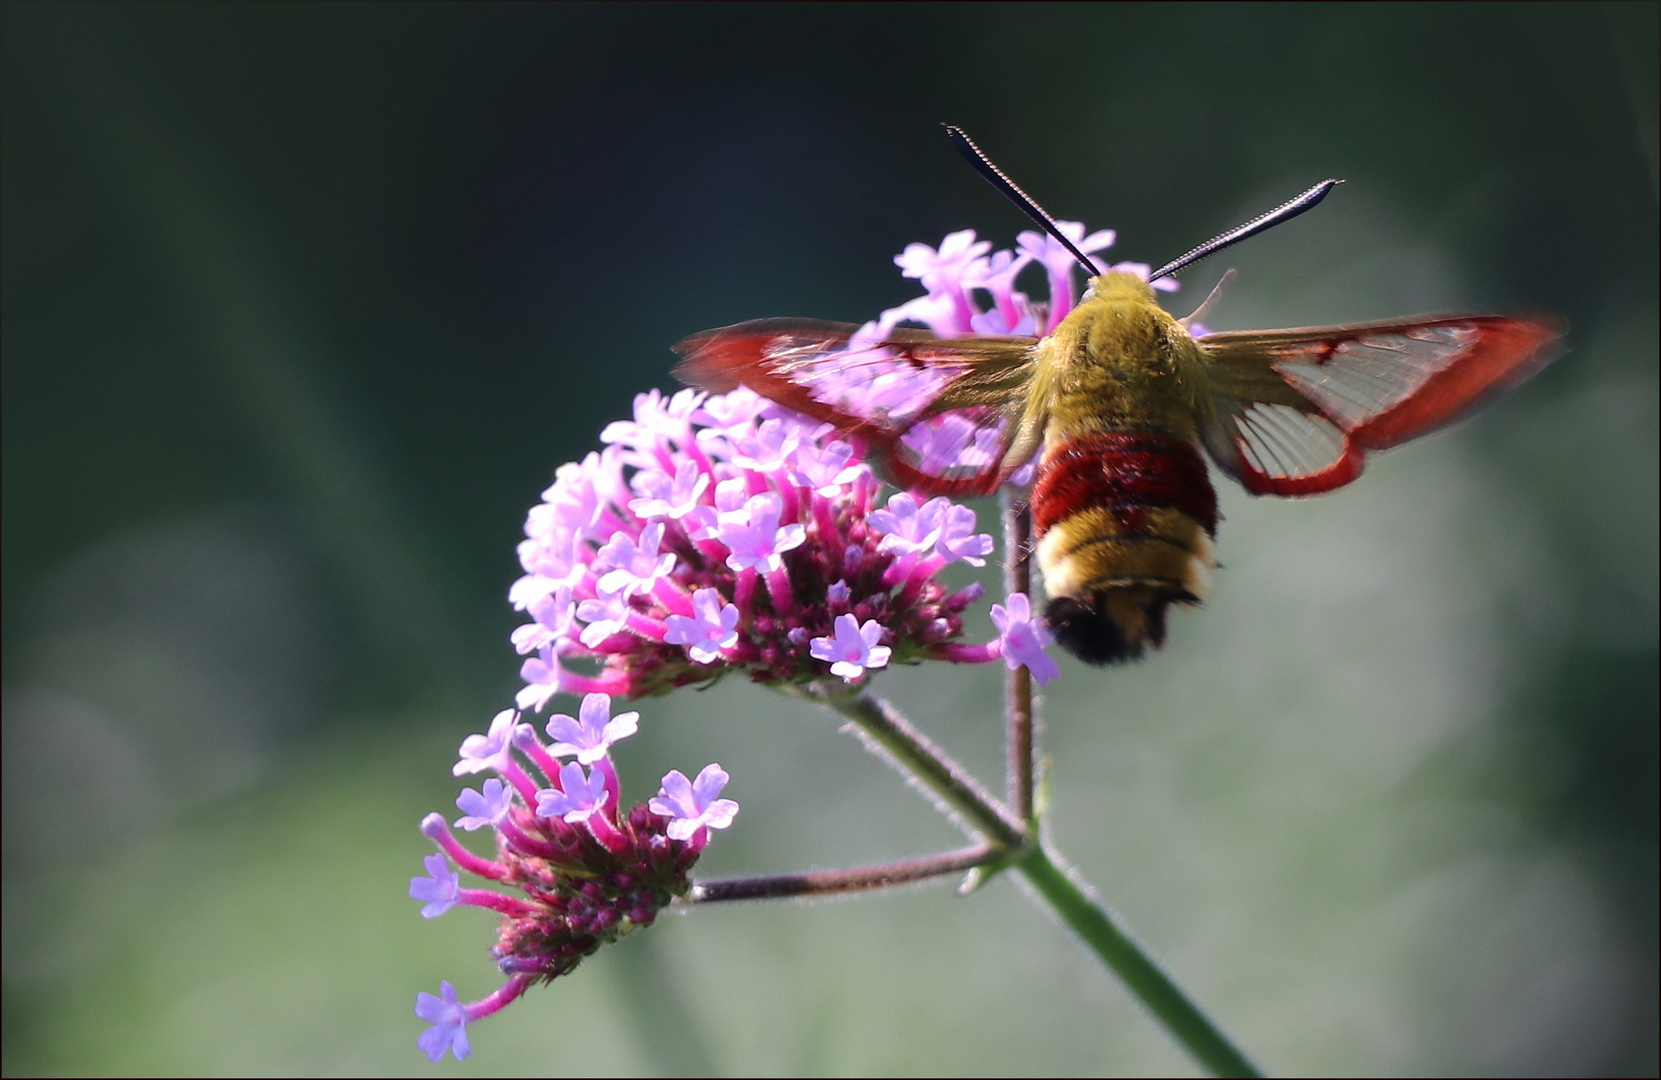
[1117, 627]
[1088, 634]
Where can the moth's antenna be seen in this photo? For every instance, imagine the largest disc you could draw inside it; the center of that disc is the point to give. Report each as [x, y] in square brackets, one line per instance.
[1284, 212]
[995, 176]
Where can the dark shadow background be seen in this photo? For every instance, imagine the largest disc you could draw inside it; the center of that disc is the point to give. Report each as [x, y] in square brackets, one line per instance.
[302, 304]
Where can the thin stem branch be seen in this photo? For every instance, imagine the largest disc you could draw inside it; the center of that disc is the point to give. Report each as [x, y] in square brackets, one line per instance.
[1102, 932]
[1010, 841]
[1019, 736]
[890, 734]
[857, 879]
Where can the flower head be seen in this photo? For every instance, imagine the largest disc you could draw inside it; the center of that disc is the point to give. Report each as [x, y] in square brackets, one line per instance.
[719, 533]
[571, 869]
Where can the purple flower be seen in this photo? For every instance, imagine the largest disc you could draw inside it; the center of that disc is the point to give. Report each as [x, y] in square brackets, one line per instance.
[665, 496]
[553, 612]
[448, 1018]
[958, 540]
[439, 890]
[591, 736]
[945, 267]
[712, 627]
[906, 527]
[580, 796]
[488, 751]
[637, 563]
[606, 615]
[754, 536]
[486, 808]
[854, 649]
[708, 534]
[769, 449]
[1023, 638]
[691, 805]
[1059, 262]
[542, 674]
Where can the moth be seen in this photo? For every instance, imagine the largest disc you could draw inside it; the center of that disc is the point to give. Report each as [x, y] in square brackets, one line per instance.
[1115, 407]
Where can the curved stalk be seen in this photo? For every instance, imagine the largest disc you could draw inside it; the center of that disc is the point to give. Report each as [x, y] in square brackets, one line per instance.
[1187, 1023]
[890, 735]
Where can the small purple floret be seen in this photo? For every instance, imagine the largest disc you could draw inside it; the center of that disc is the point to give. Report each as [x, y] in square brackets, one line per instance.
[1023, 638]
[488, 751]
[636, 563]
[854, 649]
[754, 536]
[583, 797]
[713, 627]
[439, 890]
[484, 808]
[591, 735]
[691, 805]
[958, 539]
[907, 527]
[448, 1018]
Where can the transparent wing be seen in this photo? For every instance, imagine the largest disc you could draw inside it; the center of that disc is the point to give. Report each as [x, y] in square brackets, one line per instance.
[1292, 412]
[939, 414]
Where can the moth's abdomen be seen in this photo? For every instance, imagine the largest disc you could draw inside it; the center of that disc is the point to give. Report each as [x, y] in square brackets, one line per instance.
[1124, 525]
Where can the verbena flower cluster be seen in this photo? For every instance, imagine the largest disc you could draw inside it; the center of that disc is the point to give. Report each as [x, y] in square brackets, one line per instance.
[585, 871]
[713, 533]
[723, 532]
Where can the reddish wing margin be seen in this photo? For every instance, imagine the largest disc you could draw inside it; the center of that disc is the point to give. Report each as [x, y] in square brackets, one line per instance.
[1294, 411]
[938, 414]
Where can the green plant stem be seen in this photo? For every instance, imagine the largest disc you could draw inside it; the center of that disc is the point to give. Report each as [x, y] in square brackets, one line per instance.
[890, 735]
[887, 732]
[858, 879]
[1053, 880]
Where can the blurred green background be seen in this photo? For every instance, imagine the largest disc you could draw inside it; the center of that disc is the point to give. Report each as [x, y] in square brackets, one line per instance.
[303, 304]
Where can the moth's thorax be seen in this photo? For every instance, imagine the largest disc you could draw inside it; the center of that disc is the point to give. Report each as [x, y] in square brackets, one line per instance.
[1116, 363]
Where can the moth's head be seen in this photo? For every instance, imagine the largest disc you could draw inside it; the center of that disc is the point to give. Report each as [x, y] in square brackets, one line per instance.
[1120, 285]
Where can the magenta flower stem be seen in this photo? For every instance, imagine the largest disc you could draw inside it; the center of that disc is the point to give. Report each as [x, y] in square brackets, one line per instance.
[959, 653]
[438, 831]
[524, 842]
[857, 879]
[824, 518]
[511, 990]
[646, 627]
[522, 782]
[778, 590]
[495, 901]
[673, 598]
[545, 762]
[614, 786]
